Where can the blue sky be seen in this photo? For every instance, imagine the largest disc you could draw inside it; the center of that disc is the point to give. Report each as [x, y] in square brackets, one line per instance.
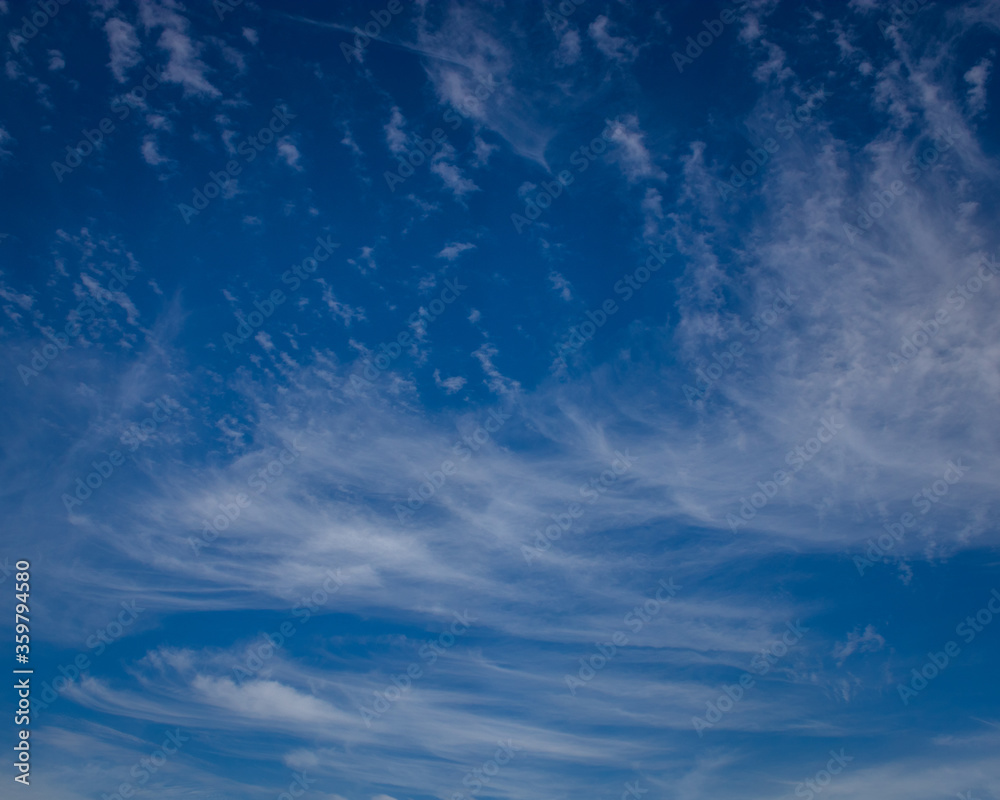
[507, 400]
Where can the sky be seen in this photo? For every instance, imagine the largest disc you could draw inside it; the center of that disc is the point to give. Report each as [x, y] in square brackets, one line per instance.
[412, 400]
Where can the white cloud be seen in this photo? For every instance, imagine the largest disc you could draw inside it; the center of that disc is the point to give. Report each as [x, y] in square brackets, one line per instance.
[232, 56]
[471, 72]
[483, 151]
[561, 285]
[263, 338]
[365, 260]
[616, 48]
[454, 250]
[342, 311]
[5, 139]
[184, 66]
[773, 66]
[395, 135]
[349, 142]
[828, 354]
[124, 45]
[869, 641]
[569, 48]
[270, 700]
[652, 209]
[158, 122]
[632, 156]
[450, 385]
[151, 153]
[56, 61]
[977, 78]
[443, 165]
[288, 151]
[497, 382]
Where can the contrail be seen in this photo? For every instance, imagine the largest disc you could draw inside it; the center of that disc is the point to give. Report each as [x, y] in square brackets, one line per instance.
[410, 48]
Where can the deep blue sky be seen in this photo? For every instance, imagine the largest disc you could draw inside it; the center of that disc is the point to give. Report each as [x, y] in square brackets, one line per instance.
[688, 292]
